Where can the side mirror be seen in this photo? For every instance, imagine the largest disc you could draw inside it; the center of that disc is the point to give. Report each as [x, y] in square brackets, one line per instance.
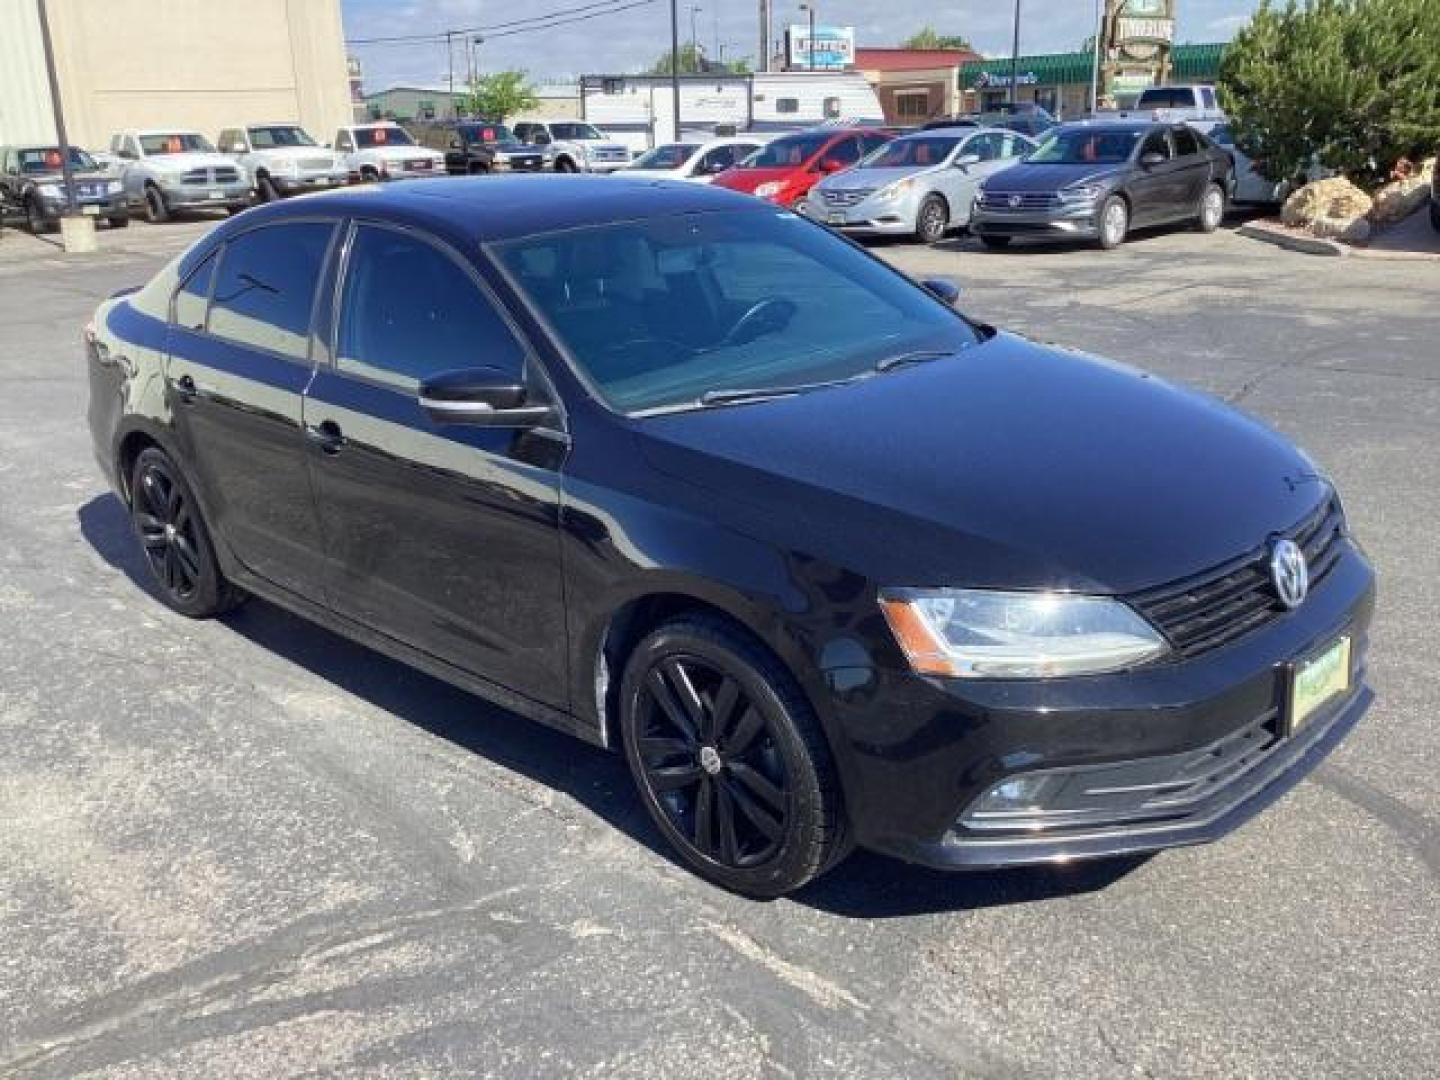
[480, 397]
[943, 289]
[966, 160]
[1151, 159]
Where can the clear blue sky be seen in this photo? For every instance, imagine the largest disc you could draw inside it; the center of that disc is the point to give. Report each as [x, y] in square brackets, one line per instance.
[628, 40]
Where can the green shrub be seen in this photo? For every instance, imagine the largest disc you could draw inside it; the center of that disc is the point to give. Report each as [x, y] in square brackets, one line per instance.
[1351, 84]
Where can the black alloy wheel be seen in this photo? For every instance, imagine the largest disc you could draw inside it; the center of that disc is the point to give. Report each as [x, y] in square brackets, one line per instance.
[932, 220]
[174, 539]
[157, 210]
[729, 759]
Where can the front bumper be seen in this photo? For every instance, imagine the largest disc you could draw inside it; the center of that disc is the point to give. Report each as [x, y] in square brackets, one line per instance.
[206, 195]
[869, 218]
[592, 166]
[1079, 222]
[109, 206]
[295, 185]
[917, 754]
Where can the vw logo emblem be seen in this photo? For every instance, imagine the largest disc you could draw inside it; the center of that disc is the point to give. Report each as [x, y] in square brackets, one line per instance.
[1015, 201]
[1289, 572]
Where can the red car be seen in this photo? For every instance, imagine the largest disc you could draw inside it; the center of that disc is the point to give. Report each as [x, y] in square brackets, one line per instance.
[785, 170]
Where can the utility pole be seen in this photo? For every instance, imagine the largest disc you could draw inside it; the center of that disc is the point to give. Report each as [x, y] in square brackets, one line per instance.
[810, 8]
[1095, 73]
[77, 231]
[1015, 59]
[695, 9]
[675, 65]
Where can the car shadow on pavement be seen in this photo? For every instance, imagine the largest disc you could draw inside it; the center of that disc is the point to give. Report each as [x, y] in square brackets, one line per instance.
[864, 886]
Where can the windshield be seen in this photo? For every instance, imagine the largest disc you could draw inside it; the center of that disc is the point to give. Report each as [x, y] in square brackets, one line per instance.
[369, 138]
[45, 159]
[920, 152]
[267, 138]
[1082, 146]
[660, 312]
[792, 150]
[670, 156]
[176, 142]
[488, 133]
[574, 131]
[1167, 97]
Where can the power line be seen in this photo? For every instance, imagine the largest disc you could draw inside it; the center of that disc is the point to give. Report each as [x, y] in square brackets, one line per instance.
[558, 17]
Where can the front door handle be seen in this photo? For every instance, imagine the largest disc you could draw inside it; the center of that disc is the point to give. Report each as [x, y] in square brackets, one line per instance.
[327, 436]
[186, 390]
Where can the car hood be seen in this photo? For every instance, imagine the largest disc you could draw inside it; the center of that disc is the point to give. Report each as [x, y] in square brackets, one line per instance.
[652, 174]
[515, 149]
[1023, 177]
[179, 163]
[747, 180]
[872, 179]
[1009, 465]
[87, 175]
[596, 144]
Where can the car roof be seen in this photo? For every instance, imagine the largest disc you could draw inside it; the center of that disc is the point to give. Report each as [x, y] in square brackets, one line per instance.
[142, 132]
[492, 208]
[1113, 125]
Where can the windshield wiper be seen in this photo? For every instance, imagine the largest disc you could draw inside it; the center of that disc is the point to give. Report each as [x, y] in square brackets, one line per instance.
[765, 393]
[917, 356]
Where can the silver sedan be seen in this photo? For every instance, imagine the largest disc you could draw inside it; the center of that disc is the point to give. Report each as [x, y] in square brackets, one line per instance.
[920, 185]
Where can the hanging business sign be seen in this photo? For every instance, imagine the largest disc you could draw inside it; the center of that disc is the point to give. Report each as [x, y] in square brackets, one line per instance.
[834, 47]
[988, 80]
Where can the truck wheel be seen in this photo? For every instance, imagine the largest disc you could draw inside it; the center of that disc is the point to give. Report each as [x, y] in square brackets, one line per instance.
[266, 189]
[1114, 222]
[565, 165]
[478, 168]
[35, 218]
[157, 210]
[368, 175]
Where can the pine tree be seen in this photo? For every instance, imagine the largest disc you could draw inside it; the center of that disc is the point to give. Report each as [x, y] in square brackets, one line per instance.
[1353, 85]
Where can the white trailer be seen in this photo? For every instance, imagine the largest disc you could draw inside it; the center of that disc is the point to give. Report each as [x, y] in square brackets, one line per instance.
[638, 110]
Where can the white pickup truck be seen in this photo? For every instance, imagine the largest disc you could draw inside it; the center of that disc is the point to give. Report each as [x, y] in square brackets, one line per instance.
[574, 145]
[385, 151]
[1181, 104]
[172, 169]
[282, 159]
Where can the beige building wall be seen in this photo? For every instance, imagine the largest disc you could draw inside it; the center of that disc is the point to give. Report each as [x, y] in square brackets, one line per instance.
[199, 64]
[25, 113]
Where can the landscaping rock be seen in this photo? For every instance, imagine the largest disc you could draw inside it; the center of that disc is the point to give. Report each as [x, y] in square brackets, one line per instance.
[1333, 208]
[1398, 200]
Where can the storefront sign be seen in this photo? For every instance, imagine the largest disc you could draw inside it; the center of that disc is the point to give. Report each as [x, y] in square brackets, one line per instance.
[988, 79]
[834, 47]
[1135, 30]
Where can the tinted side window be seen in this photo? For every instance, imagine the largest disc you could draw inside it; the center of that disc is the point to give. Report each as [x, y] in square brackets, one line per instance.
[1185, 142]
[409, 311]
[194, 294]
[266, 287]
[1156, 143]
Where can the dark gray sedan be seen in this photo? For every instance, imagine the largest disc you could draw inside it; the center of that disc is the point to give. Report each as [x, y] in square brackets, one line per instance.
[1098, 180]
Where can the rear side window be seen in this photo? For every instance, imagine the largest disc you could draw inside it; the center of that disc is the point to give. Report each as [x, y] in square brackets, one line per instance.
[409, 311]
[265, 287]
[194, 294]
[1156, 143]
[1186, 144]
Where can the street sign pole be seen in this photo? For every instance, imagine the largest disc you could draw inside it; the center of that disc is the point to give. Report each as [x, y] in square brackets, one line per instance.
[71, 206]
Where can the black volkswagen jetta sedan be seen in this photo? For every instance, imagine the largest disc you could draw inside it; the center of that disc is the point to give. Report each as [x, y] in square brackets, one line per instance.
[691, 478]
[1097, 180]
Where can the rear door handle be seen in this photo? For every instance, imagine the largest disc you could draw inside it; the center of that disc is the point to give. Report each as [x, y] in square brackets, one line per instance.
[327, 436]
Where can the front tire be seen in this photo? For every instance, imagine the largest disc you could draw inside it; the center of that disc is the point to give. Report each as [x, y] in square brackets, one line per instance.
[157, 210]
[932, 220]
[266, 190]
[729, 759]
[35, 218]
[175, 541]
[565, 165]
[1212, 208]
[1114, 222]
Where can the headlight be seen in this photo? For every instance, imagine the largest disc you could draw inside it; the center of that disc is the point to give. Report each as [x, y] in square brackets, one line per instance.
[979, 634]
[895, 190]
[768, 189]
[1083, 194]
[114, 187]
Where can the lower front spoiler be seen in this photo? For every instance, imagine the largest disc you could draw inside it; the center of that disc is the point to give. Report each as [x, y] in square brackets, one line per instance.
[1227, 811]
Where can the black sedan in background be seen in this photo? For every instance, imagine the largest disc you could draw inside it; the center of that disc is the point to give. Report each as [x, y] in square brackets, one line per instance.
[32, 185]
[1098, 180]
[692, 478]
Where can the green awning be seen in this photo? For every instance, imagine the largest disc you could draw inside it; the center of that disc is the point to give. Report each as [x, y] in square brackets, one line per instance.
[1198, 63]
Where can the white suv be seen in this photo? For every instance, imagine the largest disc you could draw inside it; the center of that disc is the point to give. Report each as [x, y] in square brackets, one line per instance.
[576, 145]
[282, 159]
[167, 170]
[385, 151]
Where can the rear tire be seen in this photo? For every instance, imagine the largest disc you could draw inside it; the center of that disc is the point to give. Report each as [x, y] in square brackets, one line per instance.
[157, 210]
[995, 243]
[175, 540]
[1212, 208]
[1114, 222]
[729, 759]
[932, 220]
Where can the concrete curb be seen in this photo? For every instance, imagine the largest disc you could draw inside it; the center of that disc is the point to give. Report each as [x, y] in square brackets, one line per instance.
[1308, 245]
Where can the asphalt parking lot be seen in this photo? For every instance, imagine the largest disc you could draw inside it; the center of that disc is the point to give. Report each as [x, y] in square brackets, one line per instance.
[251, 848]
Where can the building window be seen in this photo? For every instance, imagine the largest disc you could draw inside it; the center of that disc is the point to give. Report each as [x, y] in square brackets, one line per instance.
[832, 108]
[787, 105]
[912, 104]
[612, 86]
